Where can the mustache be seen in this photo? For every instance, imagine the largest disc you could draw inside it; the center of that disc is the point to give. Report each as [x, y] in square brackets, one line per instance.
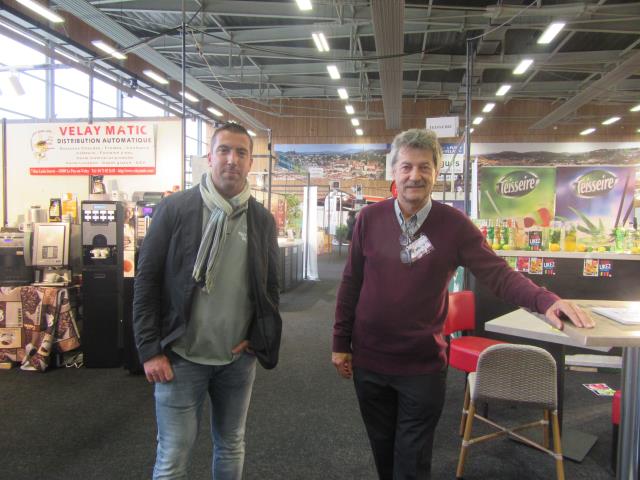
[415, 184]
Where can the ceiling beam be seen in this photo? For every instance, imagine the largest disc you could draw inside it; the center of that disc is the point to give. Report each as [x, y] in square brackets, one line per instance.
[599, 88]
[388, 24]
[98, 20]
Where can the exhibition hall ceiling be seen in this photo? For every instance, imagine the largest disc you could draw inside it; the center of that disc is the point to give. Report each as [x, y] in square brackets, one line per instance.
[264, 51]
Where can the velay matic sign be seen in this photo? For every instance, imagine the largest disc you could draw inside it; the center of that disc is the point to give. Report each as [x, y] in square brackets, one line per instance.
[99, 148]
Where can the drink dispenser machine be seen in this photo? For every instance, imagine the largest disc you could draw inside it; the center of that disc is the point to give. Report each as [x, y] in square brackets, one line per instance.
[102, 282]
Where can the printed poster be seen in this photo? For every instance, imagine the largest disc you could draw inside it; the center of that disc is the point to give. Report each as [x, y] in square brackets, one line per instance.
[522, 265]
[334, 161]
[605, 268]
[590, 267]
[600, 389]
[520, 192]
[535, 266]
[549, 266]
[595, 199]
[78, 148]
[512, 262]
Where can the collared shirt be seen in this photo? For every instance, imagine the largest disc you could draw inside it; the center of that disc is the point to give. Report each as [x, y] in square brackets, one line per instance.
[413, 223]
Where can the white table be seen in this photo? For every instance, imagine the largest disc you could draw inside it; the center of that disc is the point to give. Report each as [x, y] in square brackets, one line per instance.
[606, 334]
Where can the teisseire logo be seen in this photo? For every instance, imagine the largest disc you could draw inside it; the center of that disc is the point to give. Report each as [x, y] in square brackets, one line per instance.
[517, 184]
[595, 183]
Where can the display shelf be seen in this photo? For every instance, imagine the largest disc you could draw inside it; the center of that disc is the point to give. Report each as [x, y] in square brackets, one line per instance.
[550, 254]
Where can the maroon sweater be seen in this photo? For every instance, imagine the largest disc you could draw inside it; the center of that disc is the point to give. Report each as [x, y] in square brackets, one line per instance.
[389, 314]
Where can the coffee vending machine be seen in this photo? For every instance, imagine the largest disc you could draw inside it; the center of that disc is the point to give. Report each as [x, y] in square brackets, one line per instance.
[102, 282]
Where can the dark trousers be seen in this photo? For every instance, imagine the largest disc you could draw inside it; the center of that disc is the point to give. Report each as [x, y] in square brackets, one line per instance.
[400, 414]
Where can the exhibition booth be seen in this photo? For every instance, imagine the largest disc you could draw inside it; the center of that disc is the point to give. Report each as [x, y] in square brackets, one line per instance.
[78, 198]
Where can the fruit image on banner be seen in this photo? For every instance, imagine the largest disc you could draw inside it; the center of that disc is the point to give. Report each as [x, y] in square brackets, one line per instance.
[518, 192]
[596, 199]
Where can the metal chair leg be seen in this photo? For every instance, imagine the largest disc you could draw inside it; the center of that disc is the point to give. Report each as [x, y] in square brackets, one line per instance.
[465, 440]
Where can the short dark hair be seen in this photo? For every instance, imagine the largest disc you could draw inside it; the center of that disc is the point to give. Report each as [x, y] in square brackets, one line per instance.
[233, 128]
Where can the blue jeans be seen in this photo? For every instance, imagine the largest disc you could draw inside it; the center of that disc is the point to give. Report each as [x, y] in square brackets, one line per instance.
[179, 409]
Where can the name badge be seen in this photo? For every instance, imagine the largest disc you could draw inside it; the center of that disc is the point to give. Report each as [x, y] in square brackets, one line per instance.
[420, 247]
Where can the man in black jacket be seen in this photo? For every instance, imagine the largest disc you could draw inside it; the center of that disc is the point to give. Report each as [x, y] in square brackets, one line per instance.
[206, 306]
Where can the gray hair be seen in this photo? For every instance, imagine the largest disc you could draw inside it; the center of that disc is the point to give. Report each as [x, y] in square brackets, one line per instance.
[420, 139]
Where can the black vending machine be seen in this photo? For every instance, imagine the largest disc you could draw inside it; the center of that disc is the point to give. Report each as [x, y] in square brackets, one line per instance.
[102, 282]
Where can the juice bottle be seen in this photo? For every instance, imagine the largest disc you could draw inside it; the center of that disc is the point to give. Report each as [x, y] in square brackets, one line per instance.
[490, 233]
[504, 234]
[570, 237]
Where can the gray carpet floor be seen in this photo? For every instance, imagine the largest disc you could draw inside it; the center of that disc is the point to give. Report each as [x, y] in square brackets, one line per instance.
[70, 424]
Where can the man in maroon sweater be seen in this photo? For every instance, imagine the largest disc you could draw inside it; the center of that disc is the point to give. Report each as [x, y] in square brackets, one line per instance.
[392, 304]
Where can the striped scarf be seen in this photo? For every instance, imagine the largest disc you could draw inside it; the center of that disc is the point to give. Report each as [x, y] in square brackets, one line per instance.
[215, 232]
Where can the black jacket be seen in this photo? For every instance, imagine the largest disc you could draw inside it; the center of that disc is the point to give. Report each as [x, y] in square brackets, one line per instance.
[164, 285]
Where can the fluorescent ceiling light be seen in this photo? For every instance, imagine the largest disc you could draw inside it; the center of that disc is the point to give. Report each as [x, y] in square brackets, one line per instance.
[635, 109]
[523, 66]
[333, 72]
[217, 113]
[66, 55]
[471, 130]
[550, 33]
[503, 90]
[108, 49]
[304, 4]
[349, 109]
[488, 107]
[477, 120]
[42, 11]
[154, 76]
[342, 93]
[251, 132]
[587, 131]
[321, 41]
[15, 84]
[359, 132]
[355, 122]
[611, 120]
[190, 97]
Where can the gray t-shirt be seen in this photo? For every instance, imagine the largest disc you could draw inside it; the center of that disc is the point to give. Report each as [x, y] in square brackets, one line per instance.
[220, 319]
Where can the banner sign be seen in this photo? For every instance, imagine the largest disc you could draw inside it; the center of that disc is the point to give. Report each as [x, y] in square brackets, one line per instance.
[527, 192]
[335, 161]
[444, 126]
[100, 148]
[449, 165]
[596, 198]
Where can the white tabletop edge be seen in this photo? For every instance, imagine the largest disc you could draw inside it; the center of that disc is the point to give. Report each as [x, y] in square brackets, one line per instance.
[525, 324]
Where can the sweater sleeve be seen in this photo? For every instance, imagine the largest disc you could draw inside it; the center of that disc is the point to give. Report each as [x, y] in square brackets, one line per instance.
[494, 272]
[349, 290]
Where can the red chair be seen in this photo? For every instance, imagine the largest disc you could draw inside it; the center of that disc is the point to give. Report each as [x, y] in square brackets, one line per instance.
[464, 350]
[615, 420]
